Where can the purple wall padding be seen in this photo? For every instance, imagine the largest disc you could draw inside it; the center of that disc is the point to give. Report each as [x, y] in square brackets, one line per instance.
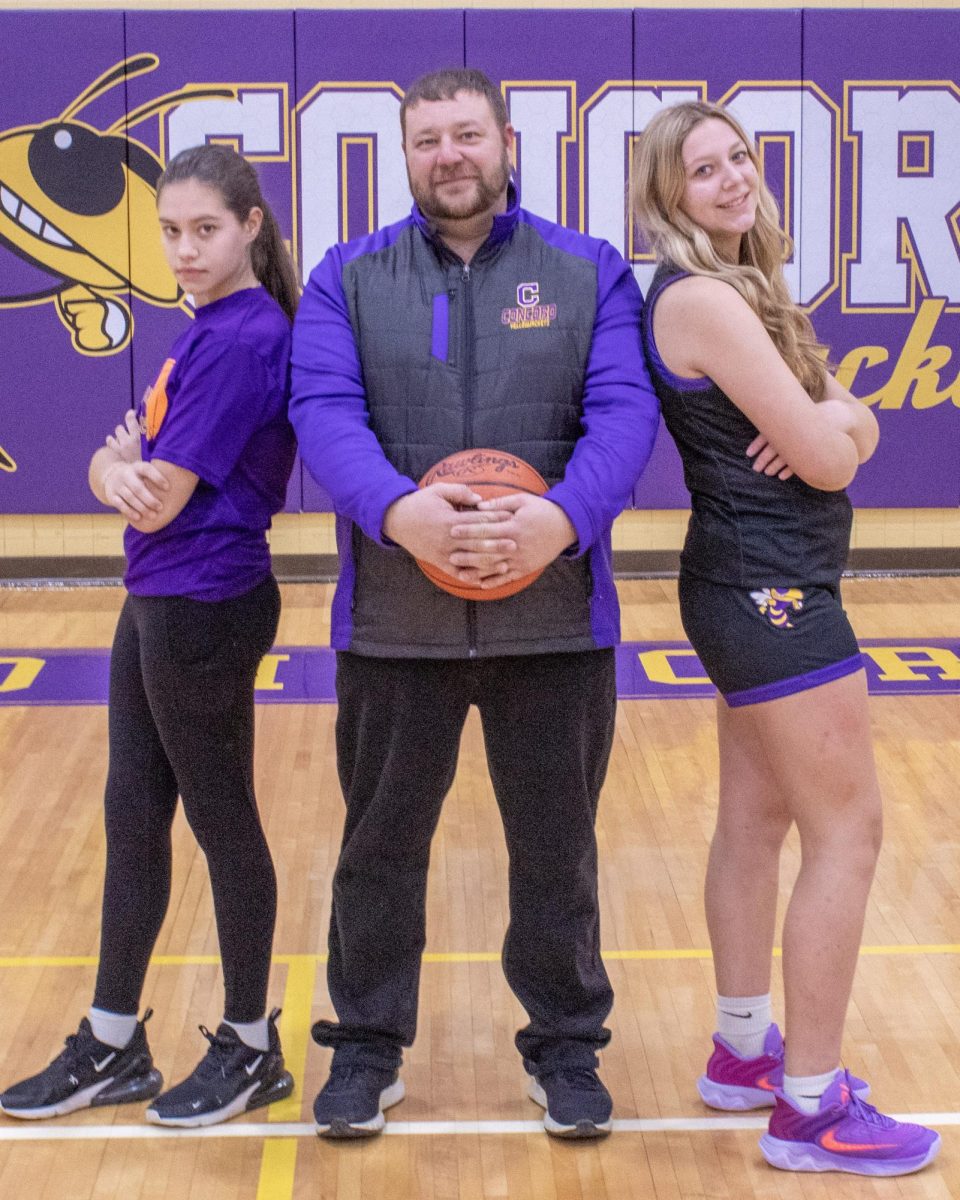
[916, 463]
[56, 404]
[865, 155]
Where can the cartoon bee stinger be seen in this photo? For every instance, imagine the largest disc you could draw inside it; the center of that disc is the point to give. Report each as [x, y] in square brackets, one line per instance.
[80, 204]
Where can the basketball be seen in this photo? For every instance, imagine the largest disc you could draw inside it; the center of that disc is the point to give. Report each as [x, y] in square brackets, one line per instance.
[489, 473]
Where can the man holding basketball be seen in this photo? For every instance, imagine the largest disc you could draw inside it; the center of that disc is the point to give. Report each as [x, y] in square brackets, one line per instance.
[472, 323]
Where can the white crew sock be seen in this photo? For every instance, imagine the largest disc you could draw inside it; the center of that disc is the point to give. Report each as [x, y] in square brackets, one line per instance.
[253, 1034]
[113, 1029]
[805, 1091]
[743, 1021]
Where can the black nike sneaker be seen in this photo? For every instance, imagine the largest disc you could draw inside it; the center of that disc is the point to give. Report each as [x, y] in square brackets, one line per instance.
[87, 1073]
[230, 1079]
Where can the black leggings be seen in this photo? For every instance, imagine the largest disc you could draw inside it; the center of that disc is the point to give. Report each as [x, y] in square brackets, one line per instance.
[181, 721]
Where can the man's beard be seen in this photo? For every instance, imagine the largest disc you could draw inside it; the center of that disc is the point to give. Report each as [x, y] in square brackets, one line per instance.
[483, 196]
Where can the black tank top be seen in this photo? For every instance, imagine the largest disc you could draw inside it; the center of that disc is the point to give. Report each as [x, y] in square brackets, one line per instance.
[746, 528]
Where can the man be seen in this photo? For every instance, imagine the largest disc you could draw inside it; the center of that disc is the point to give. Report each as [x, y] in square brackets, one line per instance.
[410, 344]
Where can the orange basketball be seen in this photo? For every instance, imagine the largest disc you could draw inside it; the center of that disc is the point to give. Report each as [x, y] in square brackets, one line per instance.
[489, 473]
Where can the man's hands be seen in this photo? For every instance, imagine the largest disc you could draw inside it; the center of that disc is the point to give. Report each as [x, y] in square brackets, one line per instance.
[423, 521]
[536, 531]
[481, 542]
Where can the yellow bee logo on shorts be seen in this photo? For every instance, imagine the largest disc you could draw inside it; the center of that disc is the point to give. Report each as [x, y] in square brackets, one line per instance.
[777, 604]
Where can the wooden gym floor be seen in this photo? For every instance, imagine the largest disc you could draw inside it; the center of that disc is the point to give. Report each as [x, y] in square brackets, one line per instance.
[466, 1130]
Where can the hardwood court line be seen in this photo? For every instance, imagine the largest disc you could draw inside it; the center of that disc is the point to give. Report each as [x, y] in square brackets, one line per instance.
[278, 1168]
[482, 956]
[278, 1163]
[280, 1133]
[295, 1032]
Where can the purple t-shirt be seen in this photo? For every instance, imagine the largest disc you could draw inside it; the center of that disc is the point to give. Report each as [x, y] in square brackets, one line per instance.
[218, 408]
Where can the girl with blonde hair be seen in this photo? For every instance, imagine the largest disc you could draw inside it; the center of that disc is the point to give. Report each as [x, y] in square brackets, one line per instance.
[769, 440]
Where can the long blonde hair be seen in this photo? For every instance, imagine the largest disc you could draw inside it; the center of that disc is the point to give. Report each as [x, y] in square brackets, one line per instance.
[657, 190]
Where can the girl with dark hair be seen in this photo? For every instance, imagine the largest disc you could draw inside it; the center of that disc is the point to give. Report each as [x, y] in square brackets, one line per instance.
[769, 440]
[197, 472]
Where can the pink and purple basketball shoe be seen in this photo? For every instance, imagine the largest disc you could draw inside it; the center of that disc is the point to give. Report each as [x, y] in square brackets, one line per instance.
[846, 1134]
[737, 1084]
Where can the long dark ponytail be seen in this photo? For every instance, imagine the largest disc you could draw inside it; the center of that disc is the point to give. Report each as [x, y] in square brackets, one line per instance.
[222, 168]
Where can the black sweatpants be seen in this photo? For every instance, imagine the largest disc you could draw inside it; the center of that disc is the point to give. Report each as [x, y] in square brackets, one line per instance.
[548, 729]
[181, 721]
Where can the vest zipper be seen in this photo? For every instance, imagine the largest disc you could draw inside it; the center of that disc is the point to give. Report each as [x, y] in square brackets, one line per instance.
[467, 356]
[468, 342]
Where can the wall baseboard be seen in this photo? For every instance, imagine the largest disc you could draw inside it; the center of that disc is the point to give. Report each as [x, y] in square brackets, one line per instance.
[99, 570]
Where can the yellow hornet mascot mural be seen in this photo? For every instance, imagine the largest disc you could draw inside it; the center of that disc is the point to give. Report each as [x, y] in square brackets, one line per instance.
[80, 204]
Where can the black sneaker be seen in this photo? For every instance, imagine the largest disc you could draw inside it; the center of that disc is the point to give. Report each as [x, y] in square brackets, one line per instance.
[576, 1102]
[351, 1103]
[87, 1073]
[230, 1079]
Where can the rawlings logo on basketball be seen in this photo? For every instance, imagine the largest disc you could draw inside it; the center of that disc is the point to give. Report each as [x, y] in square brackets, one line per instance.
[465, 466]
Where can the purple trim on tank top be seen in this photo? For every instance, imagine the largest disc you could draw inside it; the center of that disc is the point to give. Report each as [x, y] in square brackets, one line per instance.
[441, 326]
[796, 683]
[680, 383]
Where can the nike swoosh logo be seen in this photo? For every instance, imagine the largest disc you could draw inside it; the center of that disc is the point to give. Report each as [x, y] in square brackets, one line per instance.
[829, 1142]
[101, 1066]
[251, 1067]
[739, 1016]
[764, 1083]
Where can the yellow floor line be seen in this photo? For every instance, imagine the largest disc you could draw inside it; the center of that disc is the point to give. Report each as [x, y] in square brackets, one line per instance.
[278, 1168]
[295, 1034]
[278, 1164]
[309, 962]
[907, 949]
